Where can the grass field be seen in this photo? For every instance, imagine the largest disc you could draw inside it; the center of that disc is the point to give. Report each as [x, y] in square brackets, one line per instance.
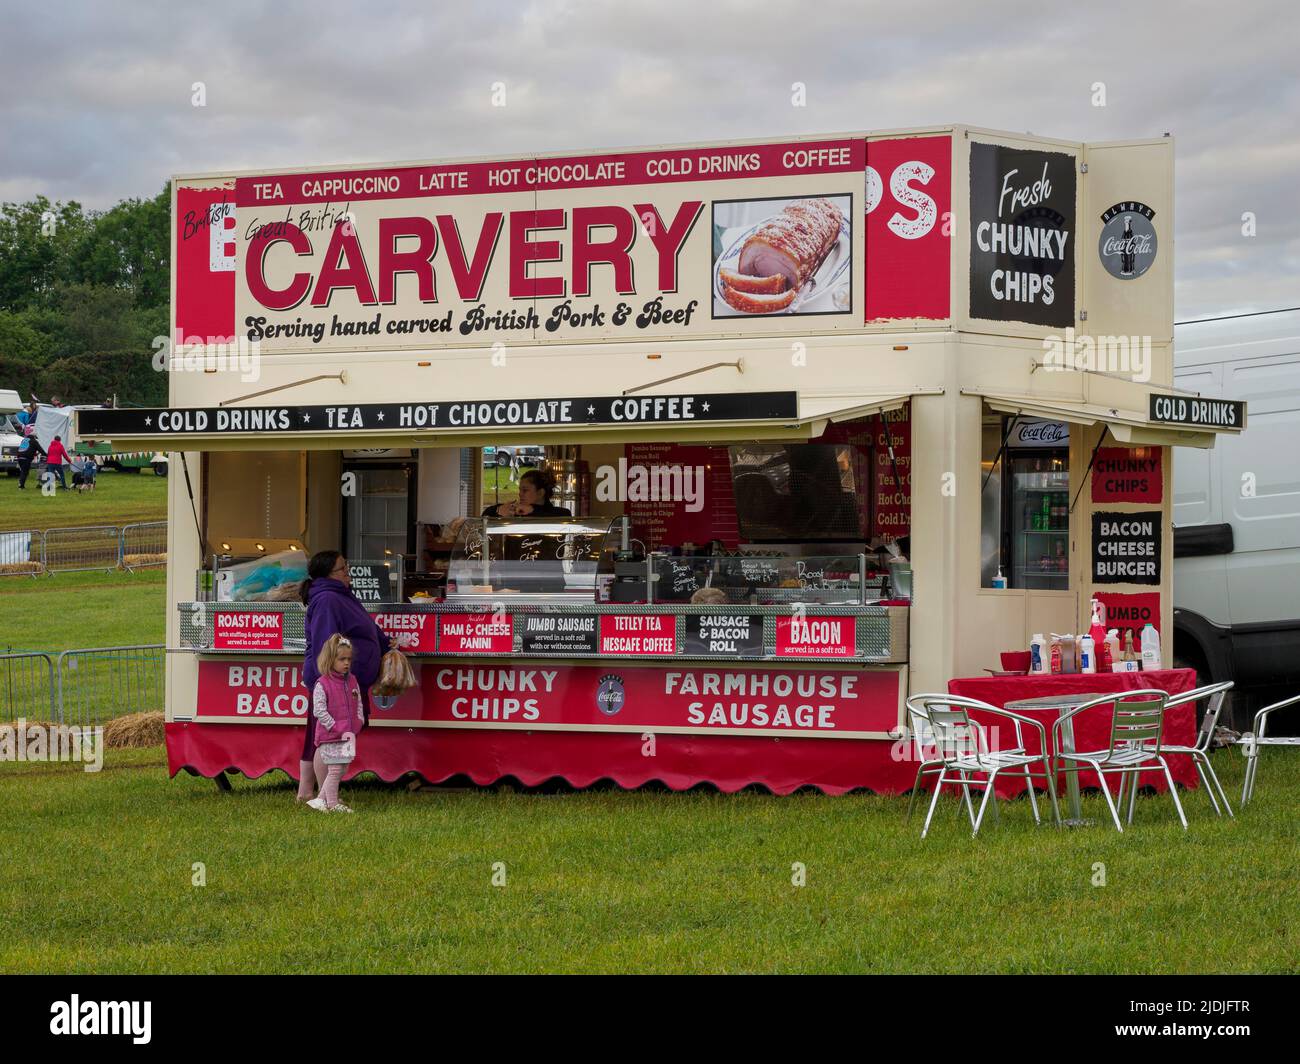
[497, 486]
[69, 610]
[97, 869]
[97, 875]
[118, 498]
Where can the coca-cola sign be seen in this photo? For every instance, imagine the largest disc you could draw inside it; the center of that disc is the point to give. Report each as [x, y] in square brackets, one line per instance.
[1128, 240]
[1040, 434]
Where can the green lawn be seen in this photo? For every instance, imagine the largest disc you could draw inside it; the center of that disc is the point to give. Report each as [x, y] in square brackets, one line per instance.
[497, 485]
[612, 881]
[118, 498]
[69, 610]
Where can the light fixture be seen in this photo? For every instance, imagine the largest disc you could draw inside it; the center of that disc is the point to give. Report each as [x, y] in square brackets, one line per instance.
[259, 546]
[225, 546]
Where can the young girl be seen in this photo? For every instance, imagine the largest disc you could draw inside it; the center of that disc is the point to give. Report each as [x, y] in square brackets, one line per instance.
[336, 705]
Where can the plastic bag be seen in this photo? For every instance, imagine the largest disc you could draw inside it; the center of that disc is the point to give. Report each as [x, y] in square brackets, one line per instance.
[395, 675]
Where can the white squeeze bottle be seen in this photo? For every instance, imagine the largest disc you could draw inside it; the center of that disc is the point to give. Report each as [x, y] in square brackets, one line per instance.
[1150, 648]
[1112, 642]
[1088, 654]
[1037, 655]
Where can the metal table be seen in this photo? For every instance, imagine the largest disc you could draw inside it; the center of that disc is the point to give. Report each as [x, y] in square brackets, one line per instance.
[1063, 702]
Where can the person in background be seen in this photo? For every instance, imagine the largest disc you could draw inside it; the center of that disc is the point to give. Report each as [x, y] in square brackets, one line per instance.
[336, 707]
[85, 472]
[332, 609]
[27, 452]
[535, 488]
[55, 458]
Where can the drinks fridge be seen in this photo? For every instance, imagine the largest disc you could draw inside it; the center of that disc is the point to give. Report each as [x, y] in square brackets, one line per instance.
[1036, 497]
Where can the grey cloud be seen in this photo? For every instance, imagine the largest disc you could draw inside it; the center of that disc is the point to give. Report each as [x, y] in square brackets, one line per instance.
[95, 98]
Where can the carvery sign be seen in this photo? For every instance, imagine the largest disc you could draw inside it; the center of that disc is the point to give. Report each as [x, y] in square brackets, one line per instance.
[672, 242]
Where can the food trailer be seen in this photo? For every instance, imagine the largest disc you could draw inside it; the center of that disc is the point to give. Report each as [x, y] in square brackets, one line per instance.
[852, 384]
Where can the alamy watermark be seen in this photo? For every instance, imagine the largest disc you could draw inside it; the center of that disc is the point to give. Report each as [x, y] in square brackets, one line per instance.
[21, 741]
[653, 483]
[1128, 355]
[197, 354]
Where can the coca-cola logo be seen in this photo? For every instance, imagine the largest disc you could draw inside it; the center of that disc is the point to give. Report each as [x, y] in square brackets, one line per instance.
[1127, 245]
[1043, 432]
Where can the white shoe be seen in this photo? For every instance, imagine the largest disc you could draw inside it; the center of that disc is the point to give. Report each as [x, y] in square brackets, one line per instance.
[318, 804]
[339, 807]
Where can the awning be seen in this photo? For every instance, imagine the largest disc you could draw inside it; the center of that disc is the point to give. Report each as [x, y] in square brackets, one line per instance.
[1126, 425]
[818, 409]
[638, 418]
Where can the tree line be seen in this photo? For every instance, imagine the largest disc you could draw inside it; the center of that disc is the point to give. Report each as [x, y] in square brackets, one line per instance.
[83, 294]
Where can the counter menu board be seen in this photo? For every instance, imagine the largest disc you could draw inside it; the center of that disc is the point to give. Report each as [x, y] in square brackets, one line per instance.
[723, 635]
[558, 633]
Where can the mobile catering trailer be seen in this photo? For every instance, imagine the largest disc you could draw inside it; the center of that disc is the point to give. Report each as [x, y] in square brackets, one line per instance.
[817, 356]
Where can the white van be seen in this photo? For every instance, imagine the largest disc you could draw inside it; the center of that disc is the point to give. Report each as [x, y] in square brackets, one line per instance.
[1237, 507]
[10, 433]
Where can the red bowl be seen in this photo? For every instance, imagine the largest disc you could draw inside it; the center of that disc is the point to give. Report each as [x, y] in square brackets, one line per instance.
[1016, 660]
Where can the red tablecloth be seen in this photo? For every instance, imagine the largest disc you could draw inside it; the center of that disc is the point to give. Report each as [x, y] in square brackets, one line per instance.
[1092, 727]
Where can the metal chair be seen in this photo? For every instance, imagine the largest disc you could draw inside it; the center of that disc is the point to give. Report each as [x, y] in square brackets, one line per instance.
[962, 752]
[1199, 751]
[1136, 729]
[1255, 738]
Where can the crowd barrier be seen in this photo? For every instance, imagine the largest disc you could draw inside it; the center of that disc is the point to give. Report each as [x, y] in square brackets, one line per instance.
[84, 548]
[85, 687]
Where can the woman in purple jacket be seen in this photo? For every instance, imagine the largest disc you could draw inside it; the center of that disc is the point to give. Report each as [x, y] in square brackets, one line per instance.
[333, 608]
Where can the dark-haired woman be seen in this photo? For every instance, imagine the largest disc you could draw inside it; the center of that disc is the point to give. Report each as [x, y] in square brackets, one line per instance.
[535, 488]
[333, 608]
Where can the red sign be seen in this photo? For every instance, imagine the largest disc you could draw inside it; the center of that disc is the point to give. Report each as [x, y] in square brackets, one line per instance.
[820, 637]
[205, 264]
[1128, 474]
[416, 633]
[655, 698]
[676, 493]
[267, 692]
[481, 633]
[247, 631]
[638, 698]
[263, 691]
[1132, 612]
[640, 634]
[909, 224]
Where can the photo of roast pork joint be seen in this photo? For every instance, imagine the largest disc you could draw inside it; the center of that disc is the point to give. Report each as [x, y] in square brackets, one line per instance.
[783, 261]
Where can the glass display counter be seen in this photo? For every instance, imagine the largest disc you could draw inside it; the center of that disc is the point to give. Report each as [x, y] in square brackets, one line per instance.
[539, 559]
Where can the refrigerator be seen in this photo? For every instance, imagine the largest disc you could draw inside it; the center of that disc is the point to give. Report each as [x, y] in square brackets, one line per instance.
[1036, 506]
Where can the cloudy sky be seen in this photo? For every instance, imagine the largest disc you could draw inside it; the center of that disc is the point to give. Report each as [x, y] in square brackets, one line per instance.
[96, 99]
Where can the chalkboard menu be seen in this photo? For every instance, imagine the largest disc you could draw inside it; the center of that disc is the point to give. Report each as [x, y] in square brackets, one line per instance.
[1126, 547]
[374, 582]
[558, 633]
[738, 635]
[679, 578]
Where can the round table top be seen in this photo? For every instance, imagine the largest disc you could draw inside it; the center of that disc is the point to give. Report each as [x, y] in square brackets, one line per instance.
[1055, 701]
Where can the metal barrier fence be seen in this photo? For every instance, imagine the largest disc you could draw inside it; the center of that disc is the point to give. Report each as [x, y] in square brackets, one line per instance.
[84, 548]
[98, 683]
[28, 687]
[144, 545]
[85, 687]
[22, 552]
